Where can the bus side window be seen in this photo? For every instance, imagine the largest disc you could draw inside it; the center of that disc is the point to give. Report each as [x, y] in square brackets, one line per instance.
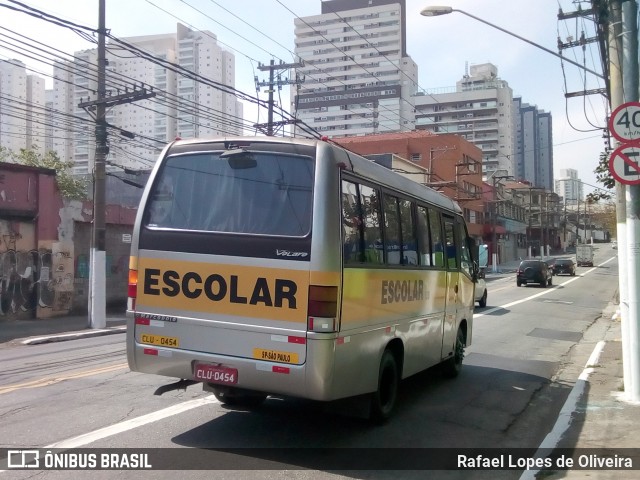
[422, 222]
[408, 232]
[452, 258]
[465, 255]
[370, 201]
[392, 230]
[351, 224]
[436, 237]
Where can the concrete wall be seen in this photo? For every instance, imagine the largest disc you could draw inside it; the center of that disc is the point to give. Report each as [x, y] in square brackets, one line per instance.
[117, 265]
[44, 247]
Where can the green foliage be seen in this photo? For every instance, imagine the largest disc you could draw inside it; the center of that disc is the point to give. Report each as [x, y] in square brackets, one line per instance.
[70, 187]
[603, 176]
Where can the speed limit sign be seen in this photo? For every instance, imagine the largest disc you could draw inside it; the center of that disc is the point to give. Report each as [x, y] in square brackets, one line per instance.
[624, 123]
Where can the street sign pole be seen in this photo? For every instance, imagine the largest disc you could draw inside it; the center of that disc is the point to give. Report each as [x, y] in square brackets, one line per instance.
[630, 84]
[624, 164]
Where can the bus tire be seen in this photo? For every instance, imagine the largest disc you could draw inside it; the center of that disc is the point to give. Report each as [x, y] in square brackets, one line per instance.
[453, 365]
[384, 399]
[483, 300]
[239, 399]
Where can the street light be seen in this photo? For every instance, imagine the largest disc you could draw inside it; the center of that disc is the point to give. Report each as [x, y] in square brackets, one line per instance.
[444, 10]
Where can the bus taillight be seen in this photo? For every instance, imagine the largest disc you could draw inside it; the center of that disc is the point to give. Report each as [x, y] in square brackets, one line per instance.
[322, 308]
[132, 289]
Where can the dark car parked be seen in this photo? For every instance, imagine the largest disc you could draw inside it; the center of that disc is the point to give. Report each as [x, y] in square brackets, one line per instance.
[534, 271]
[564, 266]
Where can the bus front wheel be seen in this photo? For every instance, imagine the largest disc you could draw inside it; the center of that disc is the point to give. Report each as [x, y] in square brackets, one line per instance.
[384, 399]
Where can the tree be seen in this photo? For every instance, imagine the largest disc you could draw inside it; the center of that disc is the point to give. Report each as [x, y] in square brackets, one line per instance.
[70, 187]
[603, 176]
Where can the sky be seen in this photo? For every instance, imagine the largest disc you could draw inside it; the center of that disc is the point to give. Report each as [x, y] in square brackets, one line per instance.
[259, 30]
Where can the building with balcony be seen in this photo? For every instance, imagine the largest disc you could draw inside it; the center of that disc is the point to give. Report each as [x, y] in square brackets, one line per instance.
[544, 214]
[182, 106]
[22, 107]
[505, 231]
[480, 110]
[358, 78]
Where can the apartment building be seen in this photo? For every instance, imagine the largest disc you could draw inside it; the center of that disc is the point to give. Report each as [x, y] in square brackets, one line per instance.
[534, 145]
[182, 107]
[22, 107]
[479, 109]
[358, 77]
[205, 110]
[569, 186]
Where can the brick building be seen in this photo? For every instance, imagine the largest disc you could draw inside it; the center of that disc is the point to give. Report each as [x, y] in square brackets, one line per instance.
[454, 166]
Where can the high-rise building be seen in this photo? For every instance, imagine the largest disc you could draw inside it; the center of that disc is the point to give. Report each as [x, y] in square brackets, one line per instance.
[206, 111]
[569, 186]
[62, 97]
[183, 107]
[358, 77]
[534, 145]
[22, 107]
[480, 110]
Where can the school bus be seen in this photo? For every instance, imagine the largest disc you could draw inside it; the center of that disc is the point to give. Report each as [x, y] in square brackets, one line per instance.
[269, 266]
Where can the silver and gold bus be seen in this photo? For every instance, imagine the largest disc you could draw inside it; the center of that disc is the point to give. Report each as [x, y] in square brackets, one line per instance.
[269, 266]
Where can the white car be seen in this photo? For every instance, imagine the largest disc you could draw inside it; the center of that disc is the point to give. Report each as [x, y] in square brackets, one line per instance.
[481, 289]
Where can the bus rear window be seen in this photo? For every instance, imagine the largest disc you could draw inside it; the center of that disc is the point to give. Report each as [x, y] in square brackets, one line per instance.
[262, 193]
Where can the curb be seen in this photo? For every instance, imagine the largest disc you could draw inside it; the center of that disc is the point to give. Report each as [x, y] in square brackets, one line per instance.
[73, 336]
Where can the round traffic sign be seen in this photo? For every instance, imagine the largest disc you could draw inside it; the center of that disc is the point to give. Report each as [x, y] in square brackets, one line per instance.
[624, 164]
[624, 123]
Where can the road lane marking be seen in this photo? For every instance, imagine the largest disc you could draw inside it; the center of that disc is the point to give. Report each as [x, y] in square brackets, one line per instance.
[564, 419]
[86, 438]
[539, 294]
[43, 382]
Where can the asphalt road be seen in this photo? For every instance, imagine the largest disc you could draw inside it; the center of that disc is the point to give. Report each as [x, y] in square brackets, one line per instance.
[529, 345]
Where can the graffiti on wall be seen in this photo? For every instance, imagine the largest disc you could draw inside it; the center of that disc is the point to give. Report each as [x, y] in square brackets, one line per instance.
[34, 279]
[30, 278]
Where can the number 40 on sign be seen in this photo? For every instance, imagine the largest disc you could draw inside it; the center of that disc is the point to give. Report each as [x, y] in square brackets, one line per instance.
[624, 123]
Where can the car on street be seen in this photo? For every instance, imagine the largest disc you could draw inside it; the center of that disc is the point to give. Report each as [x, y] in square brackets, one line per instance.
[564, 266]
[551, 263]
[534, 271]
[481, 289]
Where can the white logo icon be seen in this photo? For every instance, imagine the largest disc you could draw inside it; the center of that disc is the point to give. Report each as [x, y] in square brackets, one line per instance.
[23, 459]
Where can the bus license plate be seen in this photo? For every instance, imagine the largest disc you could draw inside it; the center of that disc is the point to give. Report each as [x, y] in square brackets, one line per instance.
[216, 374]
[159, 340]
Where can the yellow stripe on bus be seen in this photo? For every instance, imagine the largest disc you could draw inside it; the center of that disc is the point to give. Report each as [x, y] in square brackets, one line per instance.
[270, 293]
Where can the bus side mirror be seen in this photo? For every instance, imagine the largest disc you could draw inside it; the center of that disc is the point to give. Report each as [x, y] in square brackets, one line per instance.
[475, 272]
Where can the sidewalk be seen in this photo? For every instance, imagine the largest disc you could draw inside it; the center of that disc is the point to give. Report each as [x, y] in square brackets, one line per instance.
[603, 417]
[35, 331]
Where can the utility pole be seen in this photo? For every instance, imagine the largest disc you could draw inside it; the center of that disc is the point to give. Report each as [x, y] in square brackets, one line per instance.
[271, 127]
[97, 283]
[97, 288]
[630, 86]
[582, 43]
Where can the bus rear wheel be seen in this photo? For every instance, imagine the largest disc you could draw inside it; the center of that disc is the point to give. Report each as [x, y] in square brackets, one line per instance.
[238, 399]
[384, 399]
[453, 365]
